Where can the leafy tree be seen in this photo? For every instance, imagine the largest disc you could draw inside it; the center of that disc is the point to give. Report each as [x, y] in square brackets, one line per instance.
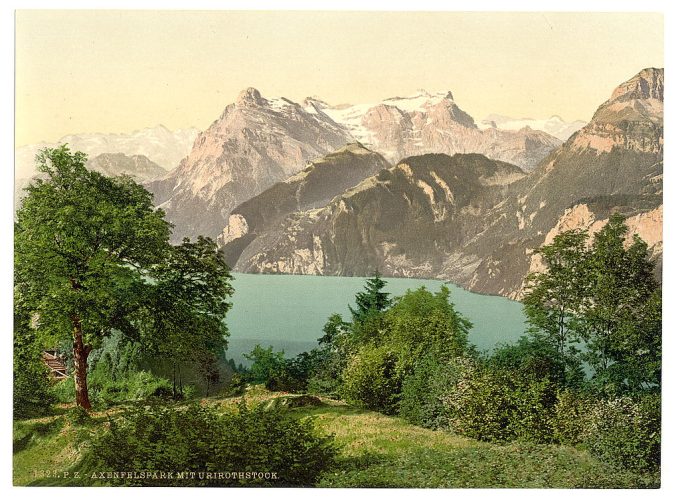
[185, 309]
[420, 322]
[603, 297]
[623, 311]
[83, 246]
[92, 256]
[554, 299]
[265, 363]
[372, 300]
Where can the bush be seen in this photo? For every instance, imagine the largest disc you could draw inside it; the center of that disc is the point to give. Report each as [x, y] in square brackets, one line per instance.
[293, 374]
[265, 364]
[133, 386]
[497, 405]
[199, 439]
[423, 391]
[31, 395]
[64, 391]
[626, 432]
[373, 379]
[31, 380]
[77, 416]
[572, 416]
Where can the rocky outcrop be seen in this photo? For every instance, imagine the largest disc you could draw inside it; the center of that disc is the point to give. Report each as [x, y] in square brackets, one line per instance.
[631, 119]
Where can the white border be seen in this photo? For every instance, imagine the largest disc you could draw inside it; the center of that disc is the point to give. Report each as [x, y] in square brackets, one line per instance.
[671, 275]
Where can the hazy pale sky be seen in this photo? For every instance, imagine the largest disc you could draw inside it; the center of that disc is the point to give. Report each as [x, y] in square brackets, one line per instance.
[117, 71]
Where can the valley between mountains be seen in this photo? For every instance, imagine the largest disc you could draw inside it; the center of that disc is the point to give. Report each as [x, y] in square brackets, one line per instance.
[412, 186]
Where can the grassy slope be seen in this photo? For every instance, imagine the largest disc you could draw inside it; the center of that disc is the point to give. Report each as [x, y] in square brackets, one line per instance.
[376, 451]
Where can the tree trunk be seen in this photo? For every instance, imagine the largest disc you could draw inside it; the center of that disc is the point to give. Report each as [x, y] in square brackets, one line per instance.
[80, 354]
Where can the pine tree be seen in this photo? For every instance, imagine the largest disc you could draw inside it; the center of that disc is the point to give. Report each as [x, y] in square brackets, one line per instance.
[372, 300]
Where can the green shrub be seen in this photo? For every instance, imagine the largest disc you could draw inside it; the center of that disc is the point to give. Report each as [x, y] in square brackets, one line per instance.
[266, 363]
[626, 432]
[133, 386]
[64, 391]
[31, 380]
[199, 439]
[422, 395]
[293, 374]
[572, 416]
[77, 416]
[497, 405]
[373, 379]
[31, 395]
[325, 386]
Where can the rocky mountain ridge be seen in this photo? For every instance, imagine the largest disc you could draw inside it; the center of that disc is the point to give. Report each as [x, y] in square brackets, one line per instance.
[476, 221]
[434, 123]
[255, 143]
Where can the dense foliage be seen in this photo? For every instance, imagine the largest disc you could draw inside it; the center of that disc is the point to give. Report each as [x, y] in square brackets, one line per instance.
[201, 440]
[587, 373]
[373, 378]
[30, 376]
[603, 298]
[92, 256]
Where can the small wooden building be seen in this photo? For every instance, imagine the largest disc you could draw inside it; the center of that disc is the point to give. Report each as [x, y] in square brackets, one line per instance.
[56, 365]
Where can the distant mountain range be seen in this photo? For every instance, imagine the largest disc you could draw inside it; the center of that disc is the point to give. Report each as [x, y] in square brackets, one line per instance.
[162, 146]
[145, 154]
[471, 219]
[555, 125]
[411, 185]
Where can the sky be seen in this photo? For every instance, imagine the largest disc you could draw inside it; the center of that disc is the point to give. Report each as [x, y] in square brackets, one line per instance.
[118, 71]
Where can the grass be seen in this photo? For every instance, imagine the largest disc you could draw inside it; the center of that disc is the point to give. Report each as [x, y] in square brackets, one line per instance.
[375, 451]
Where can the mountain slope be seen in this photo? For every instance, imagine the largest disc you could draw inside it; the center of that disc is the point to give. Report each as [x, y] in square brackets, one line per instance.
[252, 145]
[314, 187]
[614, 163]
[403, 220]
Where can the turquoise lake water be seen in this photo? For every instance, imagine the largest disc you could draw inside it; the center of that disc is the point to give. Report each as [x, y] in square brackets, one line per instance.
[288, 312]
